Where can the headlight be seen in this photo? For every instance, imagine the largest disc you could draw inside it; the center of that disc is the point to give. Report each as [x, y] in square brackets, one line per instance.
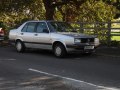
[96, 41]
[77, 40]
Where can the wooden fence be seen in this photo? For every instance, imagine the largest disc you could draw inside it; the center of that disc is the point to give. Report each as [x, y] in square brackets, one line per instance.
[109, 29]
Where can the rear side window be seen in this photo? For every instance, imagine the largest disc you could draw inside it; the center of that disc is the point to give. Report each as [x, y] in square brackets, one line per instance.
[25, 28]
[29, 27]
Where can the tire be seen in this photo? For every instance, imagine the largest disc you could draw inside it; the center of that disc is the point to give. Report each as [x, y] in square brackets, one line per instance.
[20, 47]
[59, 50]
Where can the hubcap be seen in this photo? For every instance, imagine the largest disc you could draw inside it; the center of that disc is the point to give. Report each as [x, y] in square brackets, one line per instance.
[18, 46]
[58, 51]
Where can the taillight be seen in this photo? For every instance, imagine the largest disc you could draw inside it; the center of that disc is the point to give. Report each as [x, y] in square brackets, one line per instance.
[1, 32]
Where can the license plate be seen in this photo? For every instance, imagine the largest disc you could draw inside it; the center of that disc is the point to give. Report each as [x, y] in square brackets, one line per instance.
[89, 47]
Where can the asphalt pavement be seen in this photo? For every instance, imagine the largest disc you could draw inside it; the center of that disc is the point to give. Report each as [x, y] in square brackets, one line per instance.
[40, 70]
[109, 51]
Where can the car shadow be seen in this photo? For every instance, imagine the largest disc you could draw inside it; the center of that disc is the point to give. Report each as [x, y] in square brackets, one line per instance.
[49, 53]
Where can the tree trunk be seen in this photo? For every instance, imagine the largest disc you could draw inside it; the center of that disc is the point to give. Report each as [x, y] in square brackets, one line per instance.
[49, 9]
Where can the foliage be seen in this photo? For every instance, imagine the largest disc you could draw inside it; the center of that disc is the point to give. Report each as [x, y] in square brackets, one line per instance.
[96, 11]
[115, 3]
[51, 5]
[89, 10]
[115, 43]
[16, 11]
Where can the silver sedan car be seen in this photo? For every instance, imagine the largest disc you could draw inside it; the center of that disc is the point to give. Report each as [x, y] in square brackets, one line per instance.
[60, 37]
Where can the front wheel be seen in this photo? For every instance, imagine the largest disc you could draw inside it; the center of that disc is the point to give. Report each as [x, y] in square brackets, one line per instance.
[20, 46]
[59, 50]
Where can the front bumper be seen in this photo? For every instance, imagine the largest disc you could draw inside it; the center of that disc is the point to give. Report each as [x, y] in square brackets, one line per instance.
[82, 48]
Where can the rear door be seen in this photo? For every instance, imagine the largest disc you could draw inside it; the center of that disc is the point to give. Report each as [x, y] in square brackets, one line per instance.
[28, 32]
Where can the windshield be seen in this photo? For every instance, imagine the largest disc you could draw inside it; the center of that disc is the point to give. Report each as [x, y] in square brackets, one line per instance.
[60, 27]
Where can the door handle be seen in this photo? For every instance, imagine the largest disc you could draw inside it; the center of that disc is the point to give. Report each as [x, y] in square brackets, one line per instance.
[22, 33]
[36, 34]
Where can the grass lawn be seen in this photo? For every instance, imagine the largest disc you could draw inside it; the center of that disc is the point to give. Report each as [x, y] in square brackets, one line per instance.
[117, 38]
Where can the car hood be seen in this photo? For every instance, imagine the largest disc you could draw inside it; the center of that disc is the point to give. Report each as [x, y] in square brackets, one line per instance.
[76, 35]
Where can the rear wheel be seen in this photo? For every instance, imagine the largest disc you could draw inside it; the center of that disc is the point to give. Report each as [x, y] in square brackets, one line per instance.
[59, 50]
[20, 47]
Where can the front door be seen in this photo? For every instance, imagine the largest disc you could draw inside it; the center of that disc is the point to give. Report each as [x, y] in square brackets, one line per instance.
[42, 37]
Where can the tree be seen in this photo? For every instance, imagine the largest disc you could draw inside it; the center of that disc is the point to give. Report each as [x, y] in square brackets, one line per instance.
[17, 11]
[51, 5]
[14, 5]
[72, 10]
[13, 12]
[96, 11]
[115, 3]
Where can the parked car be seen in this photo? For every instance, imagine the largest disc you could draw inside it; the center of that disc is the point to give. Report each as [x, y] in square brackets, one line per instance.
[60, 37]
[2, 34]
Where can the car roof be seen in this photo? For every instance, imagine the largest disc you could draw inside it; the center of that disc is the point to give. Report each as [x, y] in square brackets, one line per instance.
[43, 21]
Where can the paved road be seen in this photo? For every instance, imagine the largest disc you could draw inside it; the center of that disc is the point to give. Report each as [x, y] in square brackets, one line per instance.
[40, 70]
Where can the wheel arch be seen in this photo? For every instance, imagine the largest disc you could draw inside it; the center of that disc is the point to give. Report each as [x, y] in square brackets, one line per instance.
[58, 42]
[18, 39]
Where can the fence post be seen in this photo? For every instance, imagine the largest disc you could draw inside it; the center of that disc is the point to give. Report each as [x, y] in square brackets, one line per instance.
[109, 33]
[95, 28]
[81, 27]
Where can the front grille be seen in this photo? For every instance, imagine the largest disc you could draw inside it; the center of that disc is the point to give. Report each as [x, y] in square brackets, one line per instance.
[87, 40]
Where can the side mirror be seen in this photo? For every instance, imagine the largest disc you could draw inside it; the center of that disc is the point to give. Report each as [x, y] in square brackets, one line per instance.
[45, 31]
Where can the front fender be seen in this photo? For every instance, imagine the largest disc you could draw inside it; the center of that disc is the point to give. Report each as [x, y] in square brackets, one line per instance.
[59, 40]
